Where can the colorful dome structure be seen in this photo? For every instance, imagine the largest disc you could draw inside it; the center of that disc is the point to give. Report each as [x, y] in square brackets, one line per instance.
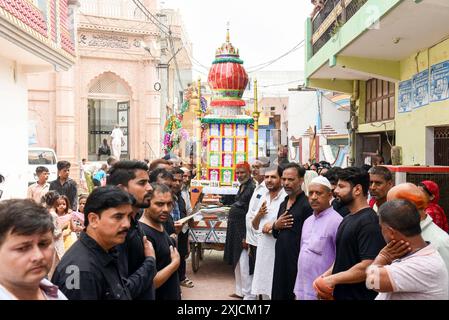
[227, 77]
[227, 130]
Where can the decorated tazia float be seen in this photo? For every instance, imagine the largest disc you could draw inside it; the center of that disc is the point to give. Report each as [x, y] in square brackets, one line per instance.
[227, 133]
[224, 137]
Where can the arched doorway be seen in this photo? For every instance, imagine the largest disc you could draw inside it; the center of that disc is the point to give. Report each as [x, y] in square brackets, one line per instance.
[108, 105]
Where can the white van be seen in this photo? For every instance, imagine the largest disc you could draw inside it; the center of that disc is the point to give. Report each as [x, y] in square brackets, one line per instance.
[45, 157]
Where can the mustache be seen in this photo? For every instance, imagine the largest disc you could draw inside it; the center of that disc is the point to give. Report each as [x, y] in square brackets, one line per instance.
[123, 231]
[40, 265]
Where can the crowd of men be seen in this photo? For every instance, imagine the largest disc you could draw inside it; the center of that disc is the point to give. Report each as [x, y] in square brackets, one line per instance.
[336, 234]
[322, 233]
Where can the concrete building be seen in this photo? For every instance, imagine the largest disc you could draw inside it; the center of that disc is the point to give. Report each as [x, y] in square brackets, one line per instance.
[392, 57]
[35, 36]
[131, 67]
[317, 128]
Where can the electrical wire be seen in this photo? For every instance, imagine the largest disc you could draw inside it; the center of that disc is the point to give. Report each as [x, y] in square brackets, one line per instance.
[268, 63]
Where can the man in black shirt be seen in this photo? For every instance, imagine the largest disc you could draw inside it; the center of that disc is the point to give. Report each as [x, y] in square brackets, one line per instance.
[179, 212]
[64, 185]
[152, 222]
[89, 269]
[136, 265]
[287, 230]
[359, 240]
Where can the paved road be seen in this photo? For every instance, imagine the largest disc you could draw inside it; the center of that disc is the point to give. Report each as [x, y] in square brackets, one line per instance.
[213, 281]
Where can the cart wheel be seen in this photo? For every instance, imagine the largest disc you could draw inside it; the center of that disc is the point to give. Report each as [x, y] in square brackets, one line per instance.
[195, 257]
[201, 252]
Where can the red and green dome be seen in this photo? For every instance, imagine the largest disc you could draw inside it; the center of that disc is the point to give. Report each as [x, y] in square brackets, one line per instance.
[227, 77]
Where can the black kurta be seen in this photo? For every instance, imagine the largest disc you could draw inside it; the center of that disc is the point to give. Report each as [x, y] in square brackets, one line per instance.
[287, 249]
[236, 230]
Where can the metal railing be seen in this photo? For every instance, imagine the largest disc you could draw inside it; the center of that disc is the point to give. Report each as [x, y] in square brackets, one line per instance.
[333, 15]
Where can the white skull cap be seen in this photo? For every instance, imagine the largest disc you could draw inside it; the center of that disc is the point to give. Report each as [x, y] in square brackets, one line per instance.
[321, 180]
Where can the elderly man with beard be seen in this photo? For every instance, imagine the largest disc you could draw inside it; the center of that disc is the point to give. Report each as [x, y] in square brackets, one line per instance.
[250, 246]
[137, 263]
[89, 269]
[359, 240]
[318, 239]
[235, 253]
[287, 230]
[152, 223]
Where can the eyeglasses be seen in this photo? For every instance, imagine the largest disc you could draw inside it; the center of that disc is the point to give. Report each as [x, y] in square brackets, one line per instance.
[1, 193]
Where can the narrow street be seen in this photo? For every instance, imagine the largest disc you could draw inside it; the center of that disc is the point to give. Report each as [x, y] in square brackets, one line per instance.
[213, 281]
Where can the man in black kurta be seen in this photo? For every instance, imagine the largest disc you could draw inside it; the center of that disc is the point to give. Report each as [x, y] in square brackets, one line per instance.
[236, 231]
[287, 230]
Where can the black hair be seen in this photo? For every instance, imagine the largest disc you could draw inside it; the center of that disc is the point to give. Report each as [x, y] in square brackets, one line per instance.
[366, 167]
[401, 215]
[381, 171]
[355, 176]
[177, 171]
[61, 165]
[160, 188]
[41, 169]
[300, 170]
[124, 171]
[103, 198]
[50, 198]
[279, 169]
[23, 217]
[332, 174]
[160, 173]
[110, 160]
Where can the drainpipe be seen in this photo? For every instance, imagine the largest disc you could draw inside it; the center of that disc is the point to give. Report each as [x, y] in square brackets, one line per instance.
[353, 122]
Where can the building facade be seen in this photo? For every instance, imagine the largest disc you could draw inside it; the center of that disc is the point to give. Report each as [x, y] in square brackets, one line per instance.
[121, 77]
[35, 36]
[392, 57]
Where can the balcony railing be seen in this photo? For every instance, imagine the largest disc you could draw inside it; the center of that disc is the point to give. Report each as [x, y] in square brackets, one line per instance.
[333, 15]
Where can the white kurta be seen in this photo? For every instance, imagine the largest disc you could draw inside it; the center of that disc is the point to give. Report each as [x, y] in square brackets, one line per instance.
[117, 136]
[263, 271]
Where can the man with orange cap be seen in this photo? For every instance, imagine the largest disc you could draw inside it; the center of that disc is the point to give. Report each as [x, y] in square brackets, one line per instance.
[234, 253]
[430, 231]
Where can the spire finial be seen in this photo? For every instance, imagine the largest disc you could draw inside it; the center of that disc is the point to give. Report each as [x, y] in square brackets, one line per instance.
[227, 33]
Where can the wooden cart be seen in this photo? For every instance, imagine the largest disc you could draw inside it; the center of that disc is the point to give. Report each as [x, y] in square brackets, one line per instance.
[207, 232]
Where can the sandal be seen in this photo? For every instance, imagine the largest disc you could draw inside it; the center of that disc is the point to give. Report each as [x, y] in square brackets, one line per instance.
[187, 283]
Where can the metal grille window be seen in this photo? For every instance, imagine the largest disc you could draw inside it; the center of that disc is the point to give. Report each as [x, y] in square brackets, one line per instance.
[107, 84]
[379, 100]
[442, 179]
[441, 146]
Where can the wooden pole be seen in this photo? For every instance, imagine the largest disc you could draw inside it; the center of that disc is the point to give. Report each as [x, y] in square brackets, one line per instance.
[256, 114]
[198, 134]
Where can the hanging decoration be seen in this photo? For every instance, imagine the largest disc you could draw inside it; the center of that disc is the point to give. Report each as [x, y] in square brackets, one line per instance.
[174, 133]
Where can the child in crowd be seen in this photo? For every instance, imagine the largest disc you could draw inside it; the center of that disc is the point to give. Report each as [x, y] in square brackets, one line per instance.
[65, 223]
[78, 216]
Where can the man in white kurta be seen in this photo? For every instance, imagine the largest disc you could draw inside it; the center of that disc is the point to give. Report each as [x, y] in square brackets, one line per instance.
[262, 222]
[117, 138]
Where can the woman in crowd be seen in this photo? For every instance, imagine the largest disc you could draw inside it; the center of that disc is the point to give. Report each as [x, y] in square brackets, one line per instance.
[432, 192]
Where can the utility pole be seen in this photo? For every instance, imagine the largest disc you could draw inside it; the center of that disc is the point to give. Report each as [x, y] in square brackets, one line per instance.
[164, 72]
